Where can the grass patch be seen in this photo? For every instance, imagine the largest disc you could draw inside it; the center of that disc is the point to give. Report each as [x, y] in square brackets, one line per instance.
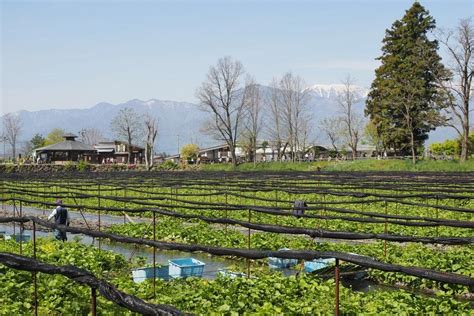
[359, 165]
[270, 166]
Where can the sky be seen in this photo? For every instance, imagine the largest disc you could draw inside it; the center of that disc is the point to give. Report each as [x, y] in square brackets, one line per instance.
[75, 54]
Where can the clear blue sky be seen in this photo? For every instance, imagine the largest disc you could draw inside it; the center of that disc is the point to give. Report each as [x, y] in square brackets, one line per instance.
[74, 54]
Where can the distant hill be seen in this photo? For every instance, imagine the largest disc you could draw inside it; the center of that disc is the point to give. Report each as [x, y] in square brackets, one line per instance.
[179, 118]
[174, 118]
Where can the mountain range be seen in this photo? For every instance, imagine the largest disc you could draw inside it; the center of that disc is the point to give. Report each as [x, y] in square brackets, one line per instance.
[179, 122]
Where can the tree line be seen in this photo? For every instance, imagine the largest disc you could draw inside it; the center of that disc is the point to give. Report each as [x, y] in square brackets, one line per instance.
[413, 93]
[128, 125]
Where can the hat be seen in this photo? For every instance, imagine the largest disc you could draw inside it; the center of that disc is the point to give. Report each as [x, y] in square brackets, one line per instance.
[59, 202]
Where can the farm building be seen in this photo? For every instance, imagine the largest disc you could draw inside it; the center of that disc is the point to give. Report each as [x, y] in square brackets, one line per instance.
[218, 153]
[67, 150]
[117, 152]
[221, 153]
[72, 150]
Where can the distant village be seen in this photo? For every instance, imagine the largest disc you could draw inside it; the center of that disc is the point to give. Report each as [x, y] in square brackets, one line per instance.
[117, 152]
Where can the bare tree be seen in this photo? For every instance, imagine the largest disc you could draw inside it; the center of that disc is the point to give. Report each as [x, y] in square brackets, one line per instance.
[11, 130]
[222, 96]
[127, 125]
[332, 129]
[459, 44]
[252, 121]
[352, 121]
[293, 96]
[91, 136]
[151, 131]
[274, 121]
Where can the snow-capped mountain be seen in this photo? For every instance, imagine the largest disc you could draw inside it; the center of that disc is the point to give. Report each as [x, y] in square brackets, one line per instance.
[181, 122]
[332, 91]
[174, 118]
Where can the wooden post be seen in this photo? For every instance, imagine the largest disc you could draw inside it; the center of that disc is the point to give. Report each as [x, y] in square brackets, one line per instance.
[34, 240]
[248, 260]
[176, 195]
[323, 210]
[44, 196]
[336, 277]
[171, 195]
[98, 204]
[437, 214]
[124, 203]
[14, 214]
[226, 208]
[276, 197]
[94, 301]
[154, 256]
[21, 230]
[35, 285]
[386, 230]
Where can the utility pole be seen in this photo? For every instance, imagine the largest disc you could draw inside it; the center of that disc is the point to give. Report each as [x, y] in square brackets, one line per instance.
[179, 156]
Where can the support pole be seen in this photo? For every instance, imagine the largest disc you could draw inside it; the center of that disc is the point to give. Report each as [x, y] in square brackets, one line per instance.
[21, 230]
[385, 230]
[98, 204]
[124, 203]
[14, 214]
[323, 210]
[154, 255]
[35, 284]
[276, 197]
[94, 301]
[176, 195]
[226, 206]
[171, 195]
[437, 215]
[44, 195]
[336, 277]
[248, 260]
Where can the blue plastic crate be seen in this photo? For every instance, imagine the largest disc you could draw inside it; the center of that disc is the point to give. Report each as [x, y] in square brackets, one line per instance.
[141, 274]
[186, 267]
[280, 263]
[317, 264]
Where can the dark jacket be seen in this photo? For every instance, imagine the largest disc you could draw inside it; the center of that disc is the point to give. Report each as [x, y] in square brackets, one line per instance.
[60, 218]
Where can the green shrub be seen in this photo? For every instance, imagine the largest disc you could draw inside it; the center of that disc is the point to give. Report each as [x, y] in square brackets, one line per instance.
[449, 147]
[69, 166]
[168, 165]
[83, 166]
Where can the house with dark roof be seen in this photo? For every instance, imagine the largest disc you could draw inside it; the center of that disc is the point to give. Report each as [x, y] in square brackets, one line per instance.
[67, 150]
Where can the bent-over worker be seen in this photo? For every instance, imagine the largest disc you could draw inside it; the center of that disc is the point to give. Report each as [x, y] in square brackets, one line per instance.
[61, 217]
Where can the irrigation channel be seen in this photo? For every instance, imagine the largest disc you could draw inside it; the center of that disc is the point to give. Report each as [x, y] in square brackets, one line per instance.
[399, 227]
[213, 264]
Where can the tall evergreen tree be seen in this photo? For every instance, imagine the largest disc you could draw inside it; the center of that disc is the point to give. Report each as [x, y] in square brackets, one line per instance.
[405, 102]
[37, 141]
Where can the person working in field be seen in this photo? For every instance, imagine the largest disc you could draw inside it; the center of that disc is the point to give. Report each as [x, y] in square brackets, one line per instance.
[61, 217]
[299, 207]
